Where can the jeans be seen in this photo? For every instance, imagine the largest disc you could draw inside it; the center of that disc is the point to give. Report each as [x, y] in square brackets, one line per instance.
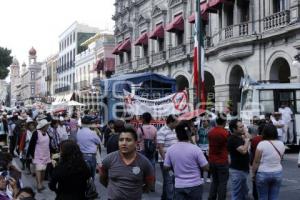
[239, 184]
[218, 187]
[90, 160]
[190, 193]
[268, 185]
[168, 184]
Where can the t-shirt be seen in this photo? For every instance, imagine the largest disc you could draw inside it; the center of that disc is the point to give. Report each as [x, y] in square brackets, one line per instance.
[88, 140]
[217, 139]
[254, 142]
[278, 122]
[203, 138]
[186, 164]
[149, 132]
[270, 159]
[167, 137]
[286, 114]
[238, 161]
[126, 181]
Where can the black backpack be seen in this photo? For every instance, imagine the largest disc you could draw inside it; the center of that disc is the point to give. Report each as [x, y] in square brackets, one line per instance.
[149, 146]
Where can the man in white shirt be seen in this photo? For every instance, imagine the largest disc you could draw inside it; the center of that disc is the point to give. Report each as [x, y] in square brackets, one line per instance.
[287, 113]
[279, 124]
[62, 130]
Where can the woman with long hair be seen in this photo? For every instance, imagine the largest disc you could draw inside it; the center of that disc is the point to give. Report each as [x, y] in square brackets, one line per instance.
[69, 177]
[267, 168]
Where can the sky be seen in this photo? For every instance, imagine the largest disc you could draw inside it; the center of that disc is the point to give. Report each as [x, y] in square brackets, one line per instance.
[38, 23]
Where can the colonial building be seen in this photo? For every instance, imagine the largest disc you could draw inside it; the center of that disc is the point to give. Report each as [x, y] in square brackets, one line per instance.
[23, 81]
[95, 63]
[259, 38]
[69, 47]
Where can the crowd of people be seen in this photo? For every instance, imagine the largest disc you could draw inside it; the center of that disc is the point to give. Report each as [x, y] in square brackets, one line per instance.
[67, 152]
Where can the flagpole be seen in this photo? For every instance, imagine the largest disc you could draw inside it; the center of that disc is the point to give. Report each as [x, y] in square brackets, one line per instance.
[198, 32]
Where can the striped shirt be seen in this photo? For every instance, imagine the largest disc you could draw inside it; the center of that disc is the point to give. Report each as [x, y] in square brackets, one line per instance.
[167, 137]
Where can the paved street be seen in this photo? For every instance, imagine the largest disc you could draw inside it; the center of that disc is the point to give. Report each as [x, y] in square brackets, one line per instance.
[290, 189]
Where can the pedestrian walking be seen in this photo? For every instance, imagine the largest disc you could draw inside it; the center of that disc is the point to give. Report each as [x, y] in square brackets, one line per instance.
[147, 134]
[203, 142]
[39, 149]
[166, 137]
[113, 141]
[62, 130]
[218, 158]
[191, 161]
[89, 143]
[267, 168]
[108, 130]
[127, 173]
[69, 177]
[238, 145]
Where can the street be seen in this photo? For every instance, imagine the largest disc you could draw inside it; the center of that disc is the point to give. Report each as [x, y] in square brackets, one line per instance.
[290, 187]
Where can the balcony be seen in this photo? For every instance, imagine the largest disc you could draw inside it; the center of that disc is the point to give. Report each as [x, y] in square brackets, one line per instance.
[62, 89]
[277, 20]
[125, 66]
[159, 56]
[177, 51]
[96, 81]
[142, 62]
[235, 31]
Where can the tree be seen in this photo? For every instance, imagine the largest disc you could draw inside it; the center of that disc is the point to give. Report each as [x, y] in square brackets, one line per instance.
[5, 61]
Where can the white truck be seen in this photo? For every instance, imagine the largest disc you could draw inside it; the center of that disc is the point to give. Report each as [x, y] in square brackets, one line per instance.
[260, 98]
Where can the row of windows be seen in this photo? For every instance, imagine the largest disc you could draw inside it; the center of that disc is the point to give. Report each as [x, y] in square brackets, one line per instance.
[67, 80]
[70, 39]
[66, 61]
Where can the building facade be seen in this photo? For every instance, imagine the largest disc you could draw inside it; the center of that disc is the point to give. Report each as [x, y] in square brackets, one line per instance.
[259, 38]
[69, 47]
[95, 63]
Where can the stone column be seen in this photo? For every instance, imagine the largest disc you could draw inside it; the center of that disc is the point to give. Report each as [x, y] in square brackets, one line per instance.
[294, 10]
[221, 97]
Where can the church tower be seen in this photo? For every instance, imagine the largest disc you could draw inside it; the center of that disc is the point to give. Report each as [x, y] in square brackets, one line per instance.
[32, 56]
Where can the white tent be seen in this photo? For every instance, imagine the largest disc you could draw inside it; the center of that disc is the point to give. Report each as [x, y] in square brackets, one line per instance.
[74, 103]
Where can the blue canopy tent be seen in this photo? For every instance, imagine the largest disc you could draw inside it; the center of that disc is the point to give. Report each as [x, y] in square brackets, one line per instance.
[112, 88]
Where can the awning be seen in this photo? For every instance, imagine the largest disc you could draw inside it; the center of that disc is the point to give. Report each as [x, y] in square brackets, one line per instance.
[104, 64]
[177, 25]
[116, 51]
[204, 14]
[125, 46]
[216, 4]
[142, 40]
[192, 18]
[158, 32]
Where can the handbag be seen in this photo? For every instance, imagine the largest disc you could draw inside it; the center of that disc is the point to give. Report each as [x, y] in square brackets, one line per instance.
[90, 191]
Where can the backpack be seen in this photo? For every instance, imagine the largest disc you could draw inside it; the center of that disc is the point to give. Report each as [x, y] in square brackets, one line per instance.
[149, 146]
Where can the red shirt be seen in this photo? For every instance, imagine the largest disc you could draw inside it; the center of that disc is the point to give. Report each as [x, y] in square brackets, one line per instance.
[217, 139]
[254, 143]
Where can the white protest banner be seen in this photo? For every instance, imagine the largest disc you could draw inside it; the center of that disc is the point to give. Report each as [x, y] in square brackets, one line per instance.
[176, 103]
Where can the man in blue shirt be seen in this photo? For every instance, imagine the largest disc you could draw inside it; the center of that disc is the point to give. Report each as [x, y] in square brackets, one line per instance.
[88, 142]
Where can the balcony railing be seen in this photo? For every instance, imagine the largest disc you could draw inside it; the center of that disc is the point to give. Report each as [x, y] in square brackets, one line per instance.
[159, 56]
[243, 29]
[235, 31]
[62, 89]
[142, 61]
[177, 51]
[125, 66]
[228, 32]
[277, 20]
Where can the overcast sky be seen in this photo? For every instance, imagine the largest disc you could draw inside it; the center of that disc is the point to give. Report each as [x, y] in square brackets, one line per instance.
[38, 23]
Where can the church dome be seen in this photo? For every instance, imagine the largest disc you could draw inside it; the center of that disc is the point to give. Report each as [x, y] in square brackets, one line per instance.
[32, 52]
